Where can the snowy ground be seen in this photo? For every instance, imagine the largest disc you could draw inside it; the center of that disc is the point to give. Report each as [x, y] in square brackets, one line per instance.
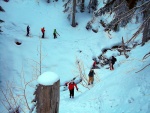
[118, 91]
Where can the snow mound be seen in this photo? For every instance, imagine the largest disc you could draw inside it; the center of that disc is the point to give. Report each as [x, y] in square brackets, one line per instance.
[48, 78]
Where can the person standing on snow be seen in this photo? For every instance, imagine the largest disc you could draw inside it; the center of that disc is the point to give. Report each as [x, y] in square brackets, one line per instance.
[94, 65]
[71, 86]
[112, 62]
[43, 32]
[28, 30]
[55, 33]
[91, 76]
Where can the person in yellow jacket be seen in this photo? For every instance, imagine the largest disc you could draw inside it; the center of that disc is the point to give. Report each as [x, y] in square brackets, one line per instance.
[91, 77]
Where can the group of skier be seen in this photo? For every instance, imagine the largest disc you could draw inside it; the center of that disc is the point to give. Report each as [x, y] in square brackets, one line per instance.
[71, 85]
[55, 33]
[91, 74]
[94, 66]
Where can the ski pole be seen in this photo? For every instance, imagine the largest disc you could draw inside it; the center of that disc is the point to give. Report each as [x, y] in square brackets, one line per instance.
[80, 91]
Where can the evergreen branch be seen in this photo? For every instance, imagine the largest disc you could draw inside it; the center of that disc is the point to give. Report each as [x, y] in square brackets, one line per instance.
[65, 5]
[118, 6]
[135, 8]
[139, 30]
[126, 16]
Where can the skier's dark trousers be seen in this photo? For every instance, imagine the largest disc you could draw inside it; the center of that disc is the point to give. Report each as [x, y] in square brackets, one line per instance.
[28, 30]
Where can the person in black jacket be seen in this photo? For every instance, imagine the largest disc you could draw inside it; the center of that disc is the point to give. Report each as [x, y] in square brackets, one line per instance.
[91, 77]
[28, 30]
[112, 62]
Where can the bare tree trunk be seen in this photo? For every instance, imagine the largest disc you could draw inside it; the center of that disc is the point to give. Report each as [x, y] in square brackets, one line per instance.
[73, 14]
[47, 98]
[40, 57]
[146, 33]
[82, 6]
[92, 5]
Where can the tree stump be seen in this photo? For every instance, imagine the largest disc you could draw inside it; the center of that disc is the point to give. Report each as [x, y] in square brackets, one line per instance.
[47, 94]
[48, 98]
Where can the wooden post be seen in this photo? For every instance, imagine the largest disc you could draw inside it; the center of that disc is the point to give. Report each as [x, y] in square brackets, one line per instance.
[47, 98]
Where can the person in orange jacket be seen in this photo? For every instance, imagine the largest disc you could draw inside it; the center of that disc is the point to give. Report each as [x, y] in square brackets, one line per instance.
[43, 32]
[71, 86]
[91, 77]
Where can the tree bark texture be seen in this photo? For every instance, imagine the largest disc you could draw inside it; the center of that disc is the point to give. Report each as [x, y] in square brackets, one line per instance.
[146, 33]
[47, 98]
[73, 14]
[82, 6]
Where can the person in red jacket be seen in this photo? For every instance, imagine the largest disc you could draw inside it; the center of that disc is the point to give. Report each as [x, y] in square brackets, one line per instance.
[71, 86]
[43, 31]
[94, 64]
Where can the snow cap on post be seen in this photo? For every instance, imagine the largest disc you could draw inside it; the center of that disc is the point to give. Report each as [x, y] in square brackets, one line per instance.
[48, 78]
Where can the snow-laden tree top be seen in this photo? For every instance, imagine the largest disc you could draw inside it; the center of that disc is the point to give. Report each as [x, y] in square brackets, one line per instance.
[48, 78]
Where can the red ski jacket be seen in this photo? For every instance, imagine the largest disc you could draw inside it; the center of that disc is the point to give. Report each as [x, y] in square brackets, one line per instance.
[94, 64]
[71, 85]
[43, 30]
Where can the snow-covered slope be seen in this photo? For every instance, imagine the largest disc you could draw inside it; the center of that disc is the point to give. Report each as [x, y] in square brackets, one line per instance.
[118, 91]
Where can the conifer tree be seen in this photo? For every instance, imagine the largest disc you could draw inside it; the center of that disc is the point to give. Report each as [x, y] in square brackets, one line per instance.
[73, 14]
[124, 11]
